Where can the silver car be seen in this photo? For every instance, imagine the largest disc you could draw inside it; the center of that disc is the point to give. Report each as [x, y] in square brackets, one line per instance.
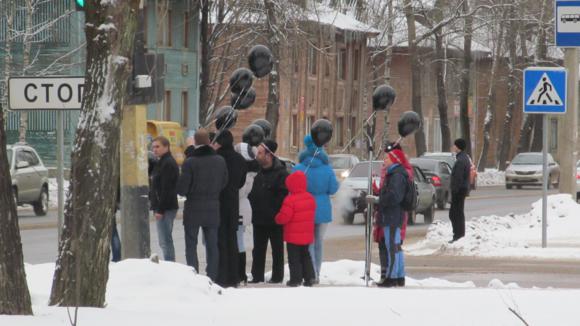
[526, 169]
[29, 178]
[342, 164]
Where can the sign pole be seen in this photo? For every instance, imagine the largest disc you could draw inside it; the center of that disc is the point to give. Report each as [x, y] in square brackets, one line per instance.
[60, 169]
[545, 180]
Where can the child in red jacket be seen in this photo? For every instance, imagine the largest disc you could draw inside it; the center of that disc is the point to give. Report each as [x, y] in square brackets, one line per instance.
[297, 216]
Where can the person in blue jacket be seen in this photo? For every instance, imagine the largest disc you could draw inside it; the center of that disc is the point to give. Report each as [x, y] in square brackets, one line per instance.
[321, 183]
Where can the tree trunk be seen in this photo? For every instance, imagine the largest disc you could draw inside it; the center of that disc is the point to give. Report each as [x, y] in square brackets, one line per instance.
[528, 123]
[491, 97]
[14, 295]
[205, 62]
[420, 143]
[273, 106]
[81, 275]
[507, 132]
[442, 92]
[465, 79]
[10, 12]
[27, 47]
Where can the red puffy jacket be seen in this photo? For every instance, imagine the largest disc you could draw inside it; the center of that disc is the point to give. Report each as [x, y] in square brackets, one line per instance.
[297, 212]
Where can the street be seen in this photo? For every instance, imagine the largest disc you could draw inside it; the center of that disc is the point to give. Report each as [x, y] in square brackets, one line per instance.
[39, 238]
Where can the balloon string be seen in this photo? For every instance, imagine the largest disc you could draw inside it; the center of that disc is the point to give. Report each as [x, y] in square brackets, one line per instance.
[315, 153]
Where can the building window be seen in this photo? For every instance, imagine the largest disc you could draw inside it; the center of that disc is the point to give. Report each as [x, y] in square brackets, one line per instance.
[309, 123]
[167, 109]
[312, 60]
[553, 134]
[184, 109]
[340, 131]
[326, 67]
[354, 101]
[341, 96]
[341, 63]
[325, 99]
[169, 28]
[356, 64]
[311, 96]
[353, 127]
[186, 30]
[295, 130]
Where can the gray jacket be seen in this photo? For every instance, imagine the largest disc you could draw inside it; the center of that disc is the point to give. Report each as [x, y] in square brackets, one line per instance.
[203, 176]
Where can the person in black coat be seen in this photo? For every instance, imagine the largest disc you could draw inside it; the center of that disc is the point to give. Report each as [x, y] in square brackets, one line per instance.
[203, 177]
[229, 210]
[163, 195]
[266, 197]
[459, 189]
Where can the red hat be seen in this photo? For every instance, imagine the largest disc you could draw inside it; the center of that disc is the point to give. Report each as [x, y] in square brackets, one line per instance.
[397, 156]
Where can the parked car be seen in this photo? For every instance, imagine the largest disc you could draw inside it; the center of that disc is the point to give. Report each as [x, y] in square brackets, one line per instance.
[440, 174]
[578, 180]
[526, 169]
[29, 178]
[342, 164]
[449, 158]
[358, 181]
[288, 162]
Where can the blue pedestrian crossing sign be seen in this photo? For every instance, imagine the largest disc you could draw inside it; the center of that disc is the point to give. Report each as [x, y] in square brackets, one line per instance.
[545, 90]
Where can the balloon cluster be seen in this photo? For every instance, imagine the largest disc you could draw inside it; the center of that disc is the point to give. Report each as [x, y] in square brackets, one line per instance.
[243, 94]
[257, 132]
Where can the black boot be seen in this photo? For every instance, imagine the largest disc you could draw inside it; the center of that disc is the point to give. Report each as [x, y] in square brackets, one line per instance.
[242, 267]
[400, 281]
[387, 283]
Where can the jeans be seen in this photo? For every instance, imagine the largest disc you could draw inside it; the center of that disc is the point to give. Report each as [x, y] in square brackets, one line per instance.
[395, 259]
[115, 242]
[241, 242]
[457, 215]
[210, 235]
[164, 233]
[299, 263]
[315, 248]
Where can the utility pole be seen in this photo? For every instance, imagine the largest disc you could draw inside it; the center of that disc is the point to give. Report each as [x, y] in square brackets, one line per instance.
[568, 127]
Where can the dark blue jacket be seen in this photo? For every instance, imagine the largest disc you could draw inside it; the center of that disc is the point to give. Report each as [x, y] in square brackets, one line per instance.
[460, 173]
[321, 181]
[392, 195]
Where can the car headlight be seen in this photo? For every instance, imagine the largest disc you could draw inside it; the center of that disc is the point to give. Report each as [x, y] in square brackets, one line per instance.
[345, 174]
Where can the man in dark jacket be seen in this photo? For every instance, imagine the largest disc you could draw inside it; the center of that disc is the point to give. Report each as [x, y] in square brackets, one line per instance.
[228, 274]
[203, 177]
[163, 194]
[459, 189]
[391, 216]
[266, 197]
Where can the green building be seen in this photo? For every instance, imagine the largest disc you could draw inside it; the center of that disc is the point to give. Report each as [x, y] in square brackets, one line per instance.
[57, 48]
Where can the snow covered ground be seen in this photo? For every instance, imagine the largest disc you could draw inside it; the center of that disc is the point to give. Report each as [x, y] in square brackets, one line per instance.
[512, 235]
[143, 293]
[490, 177]
[53, 192]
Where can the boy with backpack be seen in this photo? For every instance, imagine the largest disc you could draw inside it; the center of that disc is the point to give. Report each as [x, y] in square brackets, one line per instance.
[397, 195]
[297, 217]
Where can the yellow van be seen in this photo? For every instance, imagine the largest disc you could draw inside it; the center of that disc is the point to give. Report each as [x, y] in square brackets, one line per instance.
[172, 131]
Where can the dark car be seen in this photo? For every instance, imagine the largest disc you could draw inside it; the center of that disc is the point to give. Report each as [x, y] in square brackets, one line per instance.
[358, 181]
[440, 174]
[449, 158]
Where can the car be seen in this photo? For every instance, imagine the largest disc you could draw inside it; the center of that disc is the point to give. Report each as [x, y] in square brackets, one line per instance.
[358, 182]
[439, 172]
[288, 162]
[526, 169]
[449, 158]
[29, 178]
[578, 180]
[342, 164]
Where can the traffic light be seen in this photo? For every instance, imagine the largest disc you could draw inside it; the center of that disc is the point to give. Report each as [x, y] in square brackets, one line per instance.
[80, 4]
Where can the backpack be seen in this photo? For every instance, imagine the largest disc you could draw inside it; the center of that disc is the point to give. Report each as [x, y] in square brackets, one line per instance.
[411, 200]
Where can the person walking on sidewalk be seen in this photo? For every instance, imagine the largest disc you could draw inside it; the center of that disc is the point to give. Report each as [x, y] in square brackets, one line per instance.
[321, 184]
[459, 189]
[203, 177]
[228, 273]
[245, 219]
[163, 194]
[297, 217]
[266, 198]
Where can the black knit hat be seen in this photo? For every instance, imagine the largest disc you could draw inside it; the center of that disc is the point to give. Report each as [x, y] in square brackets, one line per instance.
[389, 146]
[271, 145]
[460, 143]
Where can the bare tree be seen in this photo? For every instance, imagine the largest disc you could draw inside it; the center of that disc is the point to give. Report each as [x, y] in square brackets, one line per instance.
[83, 260]
[465, 78]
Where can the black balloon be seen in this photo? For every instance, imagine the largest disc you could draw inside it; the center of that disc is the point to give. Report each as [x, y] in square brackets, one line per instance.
[260, 60]
[383, 97]
[240, 80]
[265, 125]
[225, 118]
[244, 99]
[253, 135]
[321, 132]
[409, 123]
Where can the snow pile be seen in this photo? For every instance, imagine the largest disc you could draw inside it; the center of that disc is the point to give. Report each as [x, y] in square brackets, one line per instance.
[143, 293]
[511, 235]
[53, 192]
[491, 177]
